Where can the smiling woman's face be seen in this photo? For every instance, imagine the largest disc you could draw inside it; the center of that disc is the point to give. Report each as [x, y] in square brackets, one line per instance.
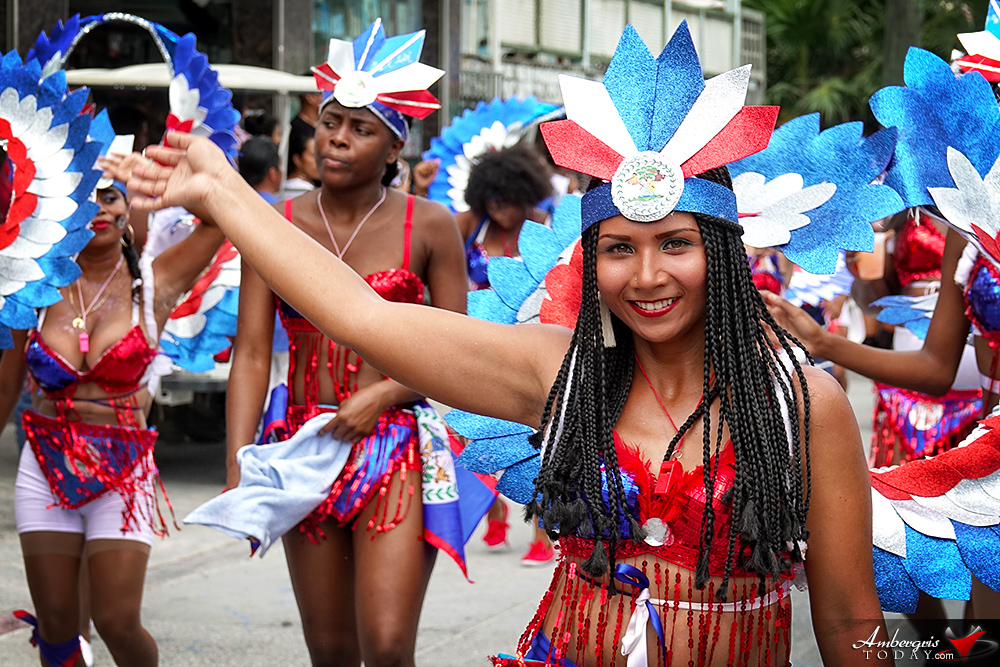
[652, 275]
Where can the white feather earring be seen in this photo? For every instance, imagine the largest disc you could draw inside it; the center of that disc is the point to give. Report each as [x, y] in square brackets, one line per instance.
[606, 326]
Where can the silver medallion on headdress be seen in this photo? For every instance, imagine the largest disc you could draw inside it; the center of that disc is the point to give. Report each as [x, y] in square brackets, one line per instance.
[647, 186]
[356, 89]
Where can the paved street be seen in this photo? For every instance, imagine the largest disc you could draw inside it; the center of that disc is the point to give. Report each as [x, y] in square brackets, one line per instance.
[207, 603]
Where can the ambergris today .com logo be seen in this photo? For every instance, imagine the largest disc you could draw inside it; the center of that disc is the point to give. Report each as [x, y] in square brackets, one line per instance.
[973, 645]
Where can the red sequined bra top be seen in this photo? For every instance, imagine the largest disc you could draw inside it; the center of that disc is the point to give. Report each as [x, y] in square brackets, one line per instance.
[918, 252]
[119, 370]
[398, 285]
[680, 510]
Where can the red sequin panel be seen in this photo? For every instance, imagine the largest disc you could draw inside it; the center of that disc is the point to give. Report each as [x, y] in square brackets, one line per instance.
[918, 252]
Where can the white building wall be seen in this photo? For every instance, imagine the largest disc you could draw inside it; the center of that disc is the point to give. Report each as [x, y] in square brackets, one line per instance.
[538, 39]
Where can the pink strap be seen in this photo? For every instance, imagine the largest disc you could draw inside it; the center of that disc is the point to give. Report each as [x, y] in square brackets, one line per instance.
[288, 210]
[407, 228]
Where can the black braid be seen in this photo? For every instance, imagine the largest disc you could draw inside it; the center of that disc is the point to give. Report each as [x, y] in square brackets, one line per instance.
[132, 259]
[743, 374]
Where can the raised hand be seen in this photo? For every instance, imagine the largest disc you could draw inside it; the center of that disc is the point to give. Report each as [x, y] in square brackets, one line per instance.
[187, 174]
[423, 175]
[119, 167]
[795, 321]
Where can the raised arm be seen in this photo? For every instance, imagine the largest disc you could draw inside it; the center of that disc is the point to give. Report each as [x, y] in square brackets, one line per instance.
[842, 595]
[177, 268]
[437, 353]
[930, 370]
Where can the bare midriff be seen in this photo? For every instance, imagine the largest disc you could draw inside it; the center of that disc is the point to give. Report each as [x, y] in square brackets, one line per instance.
[337, 374]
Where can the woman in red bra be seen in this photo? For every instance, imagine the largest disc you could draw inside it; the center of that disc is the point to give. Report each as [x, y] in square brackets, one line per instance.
[909, 424]
[362, 547]
[670, 367]
[86, 482]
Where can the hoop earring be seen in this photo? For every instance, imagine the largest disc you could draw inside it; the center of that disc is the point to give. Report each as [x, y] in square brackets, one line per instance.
[130, 236]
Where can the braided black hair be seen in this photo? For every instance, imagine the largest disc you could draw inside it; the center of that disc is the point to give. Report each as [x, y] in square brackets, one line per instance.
[132, 259]
[752, 383]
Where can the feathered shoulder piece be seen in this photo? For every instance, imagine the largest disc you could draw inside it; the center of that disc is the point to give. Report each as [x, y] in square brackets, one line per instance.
[810, 193]
[529, 289]
[488, 127]
[198, 103]
[45, 184]
[947, 147]
[935, 522]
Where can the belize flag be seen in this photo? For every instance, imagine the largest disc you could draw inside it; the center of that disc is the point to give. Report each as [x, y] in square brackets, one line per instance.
[454, 499]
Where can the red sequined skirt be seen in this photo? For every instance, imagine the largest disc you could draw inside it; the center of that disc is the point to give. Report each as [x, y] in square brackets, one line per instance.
[921, 425]
[83, 461]
[393, 446]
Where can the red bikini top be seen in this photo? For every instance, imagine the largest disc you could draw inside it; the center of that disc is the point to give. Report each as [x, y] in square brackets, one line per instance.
[398, 285]
[681, 509]
[119, 370]
[918, 252]
[305, 340]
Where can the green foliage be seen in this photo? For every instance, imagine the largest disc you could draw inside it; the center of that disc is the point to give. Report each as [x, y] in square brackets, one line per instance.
[826, 55]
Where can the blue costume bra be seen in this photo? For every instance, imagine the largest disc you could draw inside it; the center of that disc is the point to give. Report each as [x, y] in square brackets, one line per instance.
[476, 258]
[982, 300]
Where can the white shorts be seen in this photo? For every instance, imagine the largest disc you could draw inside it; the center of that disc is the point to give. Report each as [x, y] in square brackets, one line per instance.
[101, 519]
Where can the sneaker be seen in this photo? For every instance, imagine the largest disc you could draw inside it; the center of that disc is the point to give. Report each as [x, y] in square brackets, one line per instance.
[539, 553]
[496, 532]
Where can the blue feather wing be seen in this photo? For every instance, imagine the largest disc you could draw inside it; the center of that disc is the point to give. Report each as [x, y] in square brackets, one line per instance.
[496, 445]
[64, 147]
[935, 522]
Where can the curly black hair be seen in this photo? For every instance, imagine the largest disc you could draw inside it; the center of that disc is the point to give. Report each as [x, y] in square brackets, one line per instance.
[515, 175]
[743, 373]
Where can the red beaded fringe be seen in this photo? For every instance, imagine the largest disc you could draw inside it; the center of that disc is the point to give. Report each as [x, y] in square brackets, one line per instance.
[893, 429]
[361, 487]
[100, 458]
[758, 637]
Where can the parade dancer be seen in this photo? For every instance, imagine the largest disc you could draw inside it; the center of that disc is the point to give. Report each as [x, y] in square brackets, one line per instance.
[87, 482]
[949, 129]
[669, 325]
[369, 542]
[906, 424]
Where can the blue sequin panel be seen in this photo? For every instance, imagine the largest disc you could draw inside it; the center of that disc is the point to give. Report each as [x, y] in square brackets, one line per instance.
[983, 297]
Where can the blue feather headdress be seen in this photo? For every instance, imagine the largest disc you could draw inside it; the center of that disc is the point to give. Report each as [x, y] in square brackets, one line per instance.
[488, 127]
[383, 74]
[651, 126]
[198, 104]
[947, 147]
[809, 193]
